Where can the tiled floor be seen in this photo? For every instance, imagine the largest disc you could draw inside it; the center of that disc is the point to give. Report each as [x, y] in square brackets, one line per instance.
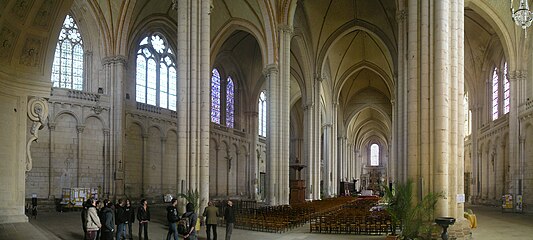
[492, 224]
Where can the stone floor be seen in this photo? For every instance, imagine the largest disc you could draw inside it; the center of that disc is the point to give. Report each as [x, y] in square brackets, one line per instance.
[492, 224]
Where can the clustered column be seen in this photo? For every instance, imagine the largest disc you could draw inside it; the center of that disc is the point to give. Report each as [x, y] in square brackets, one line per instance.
[114, 70]
[434, 96]
[193, 105]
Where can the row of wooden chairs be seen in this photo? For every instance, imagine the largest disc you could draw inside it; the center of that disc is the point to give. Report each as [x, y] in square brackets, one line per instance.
[282, 218]
[353, 218]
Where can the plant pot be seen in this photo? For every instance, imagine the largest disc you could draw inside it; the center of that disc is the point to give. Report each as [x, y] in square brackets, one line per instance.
[392, 237]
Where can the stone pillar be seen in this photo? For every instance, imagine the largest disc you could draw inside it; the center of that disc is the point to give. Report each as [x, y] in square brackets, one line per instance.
[327, 160]
[108, 171]
[515, 79]
[432, 90]
[52, 128]
[163, 154]
[193, 109]
[334, 156]
[253, 185]
[144, 159]
[79, 130]
[285, 35]
[114, 73]
[273, 134]
[311, 151]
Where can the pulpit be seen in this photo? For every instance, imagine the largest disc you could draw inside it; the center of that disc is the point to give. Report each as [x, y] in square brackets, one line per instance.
[297, 186]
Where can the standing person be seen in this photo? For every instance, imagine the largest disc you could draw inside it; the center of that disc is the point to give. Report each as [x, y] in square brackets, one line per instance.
[121, 219]
[99, 206]
[191, 215]
[108, 220]
[130, 213]
[211, 219]
[93, 221]
[86, 205]
[229, 216]
[143, 216]
[172, 217]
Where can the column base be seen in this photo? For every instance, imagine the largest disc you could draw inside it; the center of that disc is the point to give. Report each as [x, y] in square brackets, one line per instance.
[460, 230]
[13, 218]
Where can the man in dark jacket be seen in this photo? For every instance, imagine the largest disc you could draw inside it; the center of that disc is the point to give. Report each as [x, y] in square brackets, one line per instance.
[108, 221]
[143, 216]
[173, 218]
[229, 217]
[121, 219]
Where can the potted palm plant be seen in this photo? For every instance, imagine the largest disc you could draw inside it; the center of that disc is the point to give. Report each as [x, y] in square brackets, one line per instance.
[193, 197]
[416, 220]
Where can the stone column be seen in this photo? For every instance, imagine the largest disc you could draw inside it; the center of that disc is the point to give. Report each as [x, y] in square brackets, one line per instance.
[79, 130]
[433, 141]
[273, 132]
[52, 128]
[144, 159]
[108, 171]
[163, 150]
[252, 120]
[515, 79]
[193, 109]
[285, 35]
[114, 73]
[334, 156]
[327, 160]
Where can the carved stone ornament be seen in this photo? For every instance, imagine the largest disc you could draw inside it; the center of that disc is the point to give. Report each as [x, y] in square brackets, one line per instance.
[37, 113]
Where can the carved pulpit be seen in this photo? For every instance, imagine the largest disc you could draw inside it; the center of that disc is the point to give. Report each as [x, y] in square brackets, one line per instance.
[297, 186]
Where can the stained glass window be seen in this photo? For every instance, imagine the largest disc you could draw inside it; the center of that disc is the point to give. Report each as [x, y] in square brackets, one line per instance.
[230, 102]
[262, 114]
[215, 96]
[495, 83]
[374, 155]
[156, 73]
[506, 90]
[67, 68]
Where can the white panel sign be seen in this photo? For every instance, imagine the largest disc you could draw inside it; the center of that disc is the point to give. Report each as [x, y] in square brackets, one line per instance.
[460, 198]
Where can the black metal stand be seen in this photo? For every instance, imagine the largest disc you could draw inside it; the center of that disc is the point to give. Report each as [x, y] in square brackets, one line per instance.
[444, 222]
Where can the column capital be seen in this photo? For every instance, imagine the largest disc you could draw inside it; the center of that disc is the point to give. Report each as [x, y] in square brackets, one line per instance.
[163, 139]
[80, 128]
[327, 125]
[107, 132]
[308, 106]
[401, 15]
[319, 77]
[270, 69]
[114, 59]
[287, 29]
[52, 126]
[516, 75]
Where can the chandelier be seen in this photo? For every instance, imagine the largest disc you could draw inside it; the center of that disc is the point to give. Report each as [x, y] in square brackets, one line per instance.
[522, 16]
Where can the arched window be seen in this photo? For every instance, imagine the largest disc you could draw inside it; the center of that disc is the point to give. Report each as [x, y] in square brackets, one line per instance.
[230, 103]
[495, 84]
[215, 96]
[262, 114]
[506, 90]
[156, 75]
[374, 155]
[67, 69]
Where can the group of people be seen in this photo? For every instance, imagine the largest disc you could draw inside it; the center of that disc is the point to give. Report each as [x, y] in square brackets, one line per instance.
[105, 220]
[186, 224]
[100, 218]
